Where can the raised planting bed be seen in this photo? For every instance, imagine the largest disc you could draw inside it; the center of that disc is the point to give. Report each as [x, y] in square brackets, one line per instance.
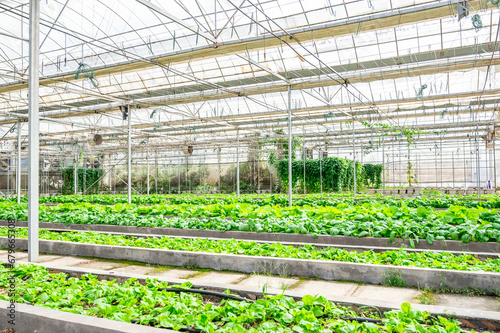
[448, 270]
[446, 245]
[158, 304]
[382, 221]
[38, 319]
[469, 318]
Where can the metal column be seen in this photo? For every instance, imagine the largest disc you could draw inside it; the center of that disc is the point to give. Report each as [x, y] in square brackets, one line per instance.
[487, 159]
[290, 145]
[129, 157]
[33, 130]
[453, 168]
[75, 174]
[304, 152]
[399, 166]
[18, 170]
[494, 163]
[321, 170]
[238, 162]
[478, 168]
[178, 174]
[441, 158]
[465, 168]
[354, 159]
[147, 168]
[218, 167]
[383, 166]
[156, 171]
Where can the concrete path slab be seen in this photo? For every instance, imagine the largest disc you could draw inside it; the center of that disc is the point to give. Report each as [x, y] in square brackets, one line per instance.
[485, 303]
[218, 277]
[390, 294]
[20, 256]
[382, 297]
[173, 274]
[274, 283]
[48, 257]
[327, 289]
[67, 261]
[134, 269]
[96, 264]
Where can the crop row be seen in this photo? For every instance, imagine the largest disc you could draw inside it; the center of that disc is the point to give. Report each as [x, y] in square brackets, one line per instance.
[368, 220]
[330, 199]
[149, 304]
[455, 215]
[439, 260]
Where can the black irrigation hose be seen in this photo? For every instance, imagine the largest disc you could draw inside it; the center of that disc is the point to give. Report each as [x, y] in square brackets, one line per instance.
[206, 292]
[214, 293]
[363, 320]
[237, 298]
[184, 329]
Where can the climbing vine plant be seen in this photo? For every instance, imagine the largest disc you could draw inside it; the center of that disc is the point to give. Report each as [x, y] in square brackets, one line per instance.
[86, 177]
[332, 174]
[279, 146]
[408, 134]
[373, 175]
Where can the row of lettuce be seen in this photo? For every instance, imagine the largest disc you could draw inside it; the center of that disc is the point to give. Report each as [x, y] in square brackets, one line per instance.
[367, 220]
[401, 257]
[329, 199]
[150, 304]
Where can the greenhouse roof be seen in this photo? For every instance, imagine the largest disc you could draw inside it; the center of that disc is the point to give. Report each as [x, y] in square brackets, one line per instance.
[199, 72]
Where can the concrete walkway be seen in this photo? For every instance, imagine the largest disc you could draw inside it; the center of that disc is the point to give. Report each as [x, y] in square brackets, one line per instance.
[345, 292]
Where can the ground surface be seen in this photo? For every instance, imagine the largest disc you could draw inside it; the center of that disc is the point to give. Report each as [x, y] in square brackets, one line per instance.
[340, 291]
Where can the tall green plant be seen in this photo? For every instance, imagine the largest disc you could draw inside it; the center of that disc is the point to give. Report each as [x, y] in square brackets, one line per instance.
[336, 174]
[373, 175]
[88, 178]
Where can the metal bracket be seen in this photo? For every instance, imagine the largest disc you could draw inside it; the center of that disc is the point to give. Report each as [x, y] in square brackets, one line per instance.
[462, 10]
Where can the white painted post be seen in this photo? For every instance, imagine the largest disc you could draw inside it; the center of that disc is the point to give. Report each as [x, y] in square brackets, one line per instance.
[129, 157]
[34, 130]
[19, 169]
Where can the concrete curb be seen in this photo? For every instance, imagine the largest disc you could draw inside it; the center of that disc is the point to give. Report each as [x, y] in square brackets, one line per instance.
[479, 319]
[326, 270]
[369, 242]
[30, 319]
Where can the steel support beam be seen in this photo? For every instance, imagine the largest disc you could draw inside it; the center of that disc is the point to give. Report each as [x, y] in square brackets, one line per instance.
[238, 163]
[33, 130]
[365, 23]
[147, 169]
[129, 156]
[177, 20]
[290, 148]
[75, 174]
[354, 159]
[18, 169]
[494, 161]
[156, 172]
[218, 168]
[383, 166]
